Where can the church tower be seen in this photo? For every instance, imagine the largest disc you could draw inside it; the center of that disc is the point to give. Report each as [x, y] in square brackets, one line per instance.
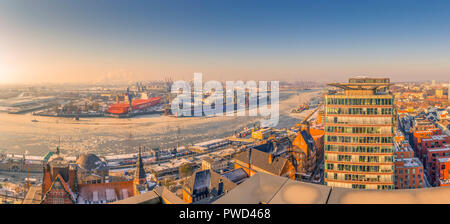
[140, 180]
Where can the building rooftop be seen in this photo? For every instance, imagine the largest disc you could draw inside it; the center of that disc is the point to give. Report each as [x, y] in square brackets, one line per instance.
[159, 195]
[435, 138]
[91, 162]
[404, 146]
[260, 159]
[444, 159]
[363, 83]
[237, 175]
[265, 188]
[105, 192]
[34, 195]
[269, 189]
[409, 162]
[207, 180]
[441, 149]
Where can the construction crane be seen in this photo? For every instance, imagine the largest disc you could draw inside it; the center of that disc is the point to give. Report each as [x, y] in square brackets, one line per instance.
[28, 176]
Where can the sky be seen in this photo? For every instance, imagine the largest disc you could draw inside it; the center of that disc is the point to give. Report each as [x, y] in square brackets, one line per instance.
[102, 40]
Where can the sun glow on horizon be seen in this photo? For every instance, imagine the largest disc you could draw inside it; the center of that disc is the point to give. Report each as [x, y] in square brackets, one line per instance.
[5, 75]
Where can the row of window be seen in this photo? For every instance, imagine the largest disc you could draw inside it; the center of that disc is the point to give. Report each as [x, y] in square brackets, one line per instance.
[412, 177]
[400, 171]
[359, 111]
[359, 101]
[359, 177]
[369, 80]
[359, 186]
[58, 200]
[385, 187]
[359, 149]
[411, 186]
[445, 154]
[360, 130]
[359, 139]
[360, 159]
[359, 120]
[359, 168]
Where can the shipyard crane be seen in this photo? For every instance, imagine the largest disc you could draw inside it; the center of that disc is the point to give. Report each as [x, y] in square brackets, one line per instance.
[28, 176]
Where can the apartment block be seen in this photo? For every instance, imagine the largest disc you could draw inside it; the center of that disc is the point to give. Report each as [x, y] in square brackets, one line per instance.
[408, 169]
[359, 139]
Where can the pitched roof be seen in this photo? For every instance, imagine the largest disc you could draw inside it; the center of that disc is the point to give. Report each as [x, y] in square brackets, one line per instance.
[207, 180]
[261, 160]
[48, 155]
[149, 197]
[167, 196]
[105, 192]
[308, 139]
[236, 175]
[275, 147]
[304, 137]
[33, 195]
[266, 147]
[159, 195]
[66, 187]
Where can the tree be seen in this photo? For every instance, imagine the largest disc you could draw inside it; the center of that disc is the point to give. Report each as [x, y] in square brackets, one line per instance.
[186, 170]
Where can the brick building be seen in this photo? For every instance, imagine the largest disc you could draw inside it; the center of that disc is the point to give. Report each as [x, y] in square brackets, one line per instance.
[61, 183]
[254, 161]
[408, 169]
[432, 158]
[443, 167]
[431, 142]
[306, 149]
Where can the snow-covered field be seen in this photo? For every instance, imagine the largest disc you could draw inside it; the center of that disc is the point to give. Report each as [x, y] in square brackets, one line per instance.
[114, 136]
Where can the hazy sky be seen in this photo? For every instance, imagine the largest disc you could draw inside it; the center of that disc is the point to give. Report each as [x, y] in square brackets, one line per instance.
[92, 40]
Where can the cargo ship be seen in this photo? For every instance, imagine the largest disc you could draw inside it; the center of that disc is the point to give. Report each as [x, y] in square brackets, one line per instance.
[138, 104]
[211, 102]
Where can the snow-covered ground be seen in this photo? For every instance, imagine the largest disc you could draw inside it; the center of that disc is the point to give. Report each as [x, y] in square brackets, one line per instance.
[117, 136]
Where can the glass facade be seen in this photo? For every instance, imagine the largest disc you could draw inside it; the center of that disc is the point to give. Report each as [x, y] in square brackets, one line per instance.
[359, 142]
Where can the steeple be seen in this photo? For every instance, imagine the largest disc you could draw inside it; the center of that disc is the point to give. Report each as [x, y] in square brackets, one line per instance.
[75, 184]
[139, 175]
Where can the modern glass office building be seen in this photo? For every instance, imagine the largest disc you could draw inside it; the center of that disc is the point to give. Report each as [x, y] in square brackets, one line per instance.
[359, 134]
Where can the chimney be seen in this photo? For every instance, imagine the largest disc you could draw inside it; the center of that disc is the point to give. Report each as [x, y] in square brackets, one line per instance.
[220, 190]
[275, 147]
[270, 158]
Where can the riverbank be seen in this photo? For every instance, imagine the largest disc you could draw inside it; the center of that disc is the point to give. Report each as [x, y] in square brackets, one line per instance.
[106, 136]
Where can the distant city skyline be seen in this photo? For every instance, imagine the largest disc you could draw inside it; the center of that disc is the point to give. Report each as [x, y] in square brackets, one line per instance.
[93, 41]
